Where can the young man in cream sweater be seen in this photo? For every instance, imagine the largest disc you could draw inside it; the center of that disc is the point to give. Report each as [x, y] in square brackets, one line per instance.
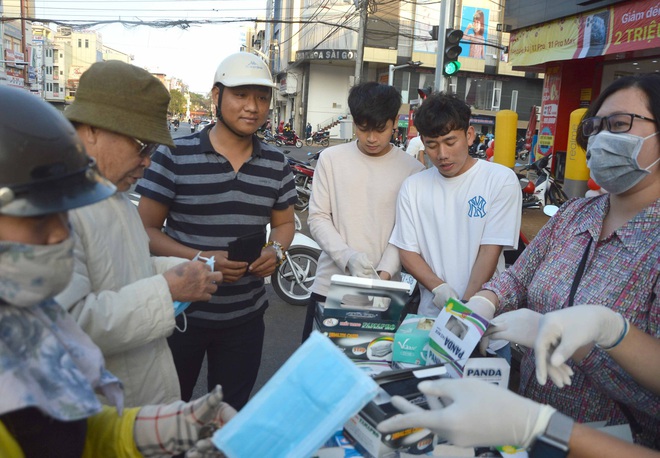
[353, 205]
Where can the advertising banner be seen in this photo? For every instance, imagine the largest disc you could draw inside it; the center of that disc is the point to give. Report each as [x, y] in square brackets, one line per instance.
[549, 109]
[623, 27]
[474, 24]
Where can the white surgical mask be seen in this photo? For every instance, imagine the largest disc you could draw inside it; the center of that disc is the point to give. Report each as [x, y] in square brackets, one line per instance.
[613, 160]
[30, 274]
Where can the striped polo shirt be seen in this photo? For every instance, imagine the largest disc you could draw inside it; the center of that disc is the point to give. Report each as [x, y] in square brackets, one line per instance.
[210, 205]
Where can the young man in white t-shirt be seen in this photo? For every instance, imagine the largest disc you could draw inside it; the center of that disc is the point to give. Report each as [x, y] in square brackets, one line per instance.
[353, 204]
[416, 148]
[454, 219]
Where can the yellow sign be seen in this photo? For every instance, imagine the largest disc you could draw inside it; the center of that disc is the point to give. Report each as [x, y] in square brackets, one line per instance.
[553, 41]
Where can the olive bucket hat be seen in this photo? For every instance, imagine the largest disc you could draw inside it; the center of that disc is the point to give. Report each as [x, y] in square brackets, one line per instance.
[124, 99]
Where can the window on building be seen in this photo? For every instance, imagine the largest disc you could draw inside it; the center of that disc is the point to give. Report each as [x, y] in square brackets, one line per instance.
[483, 94]
[80, 42]
[56, 87]
[86, 43]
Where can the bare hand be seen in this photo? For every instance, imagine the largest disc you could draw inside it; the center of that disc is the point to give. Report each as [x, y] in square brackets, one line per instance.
[192, 281]
[266, 264]
[231, 270]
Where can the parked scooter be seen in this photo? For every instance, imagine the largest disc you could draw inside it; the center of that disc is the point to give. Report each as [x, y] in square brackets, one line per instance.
[545, 190]
[270, 138]
[290, 139]
[321, 137]
[303, 174]
[292, 280]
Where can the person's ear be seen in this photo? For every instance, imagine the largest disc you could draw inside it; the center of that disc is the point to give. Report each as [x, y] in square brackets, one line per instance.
[471, 135]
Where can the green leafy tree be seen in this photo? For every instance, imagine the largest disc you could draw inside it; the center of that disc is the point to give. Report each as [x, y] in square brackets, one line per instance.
[200, 102]
[177, 102]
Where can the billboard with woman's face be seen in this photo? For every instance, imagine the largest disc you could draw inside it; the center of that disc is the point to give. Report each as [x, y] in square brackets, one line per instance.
[474, 24]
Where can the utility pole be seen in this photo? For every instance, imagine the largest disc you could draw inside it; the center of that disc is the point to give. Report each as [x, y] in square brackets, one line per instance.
[359, 55]
[446, 18]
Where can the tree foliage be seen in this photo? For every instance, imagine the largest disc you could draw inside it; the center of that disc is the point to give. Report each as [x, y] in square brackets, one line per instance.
[177, 105]
[200, 102]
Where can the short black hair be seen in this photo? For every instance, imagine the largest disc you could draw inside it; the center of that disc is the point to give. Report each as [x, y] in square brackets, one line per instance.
[373, 104]
[648, 83]
[440, 114]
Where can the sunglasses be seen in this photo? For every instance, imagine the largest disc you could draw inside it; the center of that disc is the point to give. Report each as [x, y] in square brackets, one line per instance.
[146, 149]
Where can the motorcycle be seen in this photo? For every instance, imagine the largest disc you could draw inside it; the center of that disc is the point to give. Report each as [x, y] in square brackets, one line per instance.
[270, 138]
[522, 153]
[290, 139]
[545, 190]
[293, 278]
[303, 174]
[322, 138]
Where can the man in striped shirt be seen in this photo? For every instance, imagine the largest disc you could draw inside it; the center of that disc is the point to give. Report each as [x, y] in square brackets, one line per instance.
[216, 186]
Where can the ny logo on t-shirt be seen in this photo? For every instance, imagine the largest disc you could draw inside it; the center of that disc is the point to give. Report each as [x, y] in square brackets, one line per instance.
[477, 207]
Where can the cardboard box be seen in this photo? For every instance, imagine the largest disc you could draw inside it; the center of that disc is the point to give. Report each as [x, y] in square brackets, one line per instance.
[356, 342]
[362, 427]
[411, 340]
[455, 334]
[350, 319]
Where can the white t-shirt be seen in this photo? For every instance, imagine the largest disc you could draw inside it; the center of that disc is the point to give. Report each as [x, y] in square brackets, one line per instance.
[446, 220]
[415, 145]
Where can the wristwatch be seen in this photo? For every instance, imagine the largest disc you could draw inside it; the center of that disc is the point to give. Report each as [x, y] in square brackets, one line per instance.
[553, 443]
[279, 253]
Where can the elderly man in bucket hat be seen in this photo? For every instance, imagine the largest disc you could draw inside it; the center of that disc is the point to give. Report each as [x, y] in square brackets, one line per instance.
[120, 295]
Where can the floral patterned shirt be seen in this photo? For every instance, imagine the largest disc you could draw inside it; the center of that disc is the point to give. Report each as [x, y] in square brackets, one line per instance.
[622, 272]
[48, 362]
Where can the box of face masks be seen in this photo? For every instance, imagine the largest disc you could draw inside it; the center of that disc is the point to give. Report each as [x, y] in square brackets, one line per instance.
[455, 334]
[411, 341]
[360, 316]
[362, 428]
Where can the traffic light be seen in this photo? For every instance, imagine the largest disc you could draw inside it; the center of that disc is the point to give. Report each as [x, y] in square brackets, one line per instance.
[452, 51]
[434, 32]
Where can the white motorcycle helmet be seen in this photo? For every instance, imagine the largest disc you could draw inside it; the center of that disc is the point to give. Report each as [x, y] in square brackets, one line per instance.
[243, 69]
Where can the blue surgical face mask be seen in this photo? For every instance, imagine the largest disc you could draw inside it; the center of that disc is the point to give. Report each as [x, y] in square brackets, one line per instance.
[309, 398]
[613, 160]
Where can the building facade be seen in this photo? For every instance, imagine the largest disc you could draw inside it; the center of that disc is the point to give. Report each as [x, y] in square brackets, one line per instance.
[314, 47]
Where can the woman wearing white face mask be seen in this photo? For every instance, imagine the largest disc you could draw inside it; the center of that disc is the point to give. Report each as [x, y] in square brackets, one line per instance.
[603, 251]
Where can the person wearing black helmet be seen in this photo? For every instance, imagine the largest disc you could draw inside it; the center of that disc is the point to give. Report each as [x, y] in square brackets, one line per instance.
[49, 368]
[218, 185]
[120, 295]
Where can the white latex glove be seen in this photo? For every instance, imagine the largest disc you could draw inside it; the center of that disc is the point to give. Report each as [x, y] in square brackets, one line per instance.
[171, 429]
[473, 416]
[486, 309]
[360, 266]
[562, 332]
[442, 293]
[519, 326]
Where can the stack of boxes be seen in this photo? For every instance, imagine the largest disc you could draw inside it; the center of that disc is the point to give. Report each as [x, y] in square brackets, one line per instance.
[363, 317]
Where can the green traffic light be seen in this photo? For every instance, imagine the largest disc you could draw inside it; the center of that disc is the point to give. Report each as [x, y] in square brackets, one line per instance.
[452, 68]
